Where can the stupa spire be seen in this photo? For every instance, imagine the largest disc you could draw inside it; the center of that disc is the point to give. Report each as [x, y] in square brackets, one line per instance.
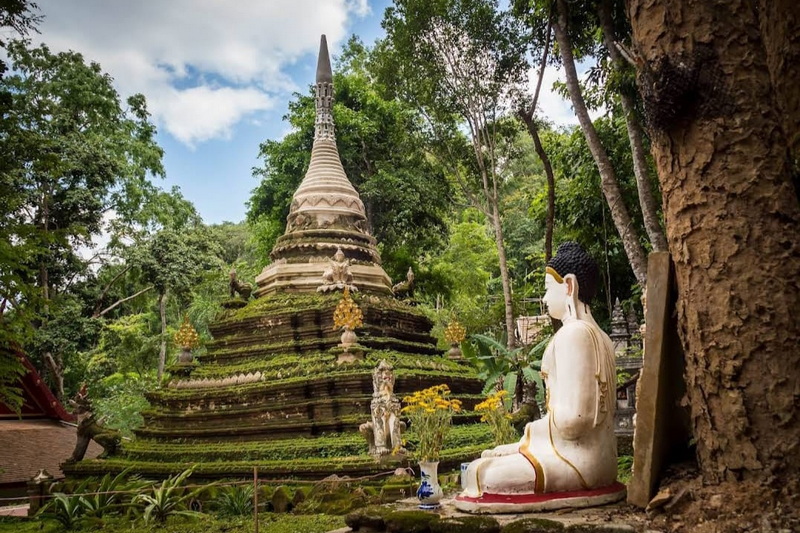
[326, 213]
[323, 126]
[324, 73]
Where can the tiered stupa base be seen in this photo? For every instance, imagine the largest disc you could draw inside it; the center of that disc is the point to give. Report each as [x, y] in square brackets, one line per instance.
[270, 393]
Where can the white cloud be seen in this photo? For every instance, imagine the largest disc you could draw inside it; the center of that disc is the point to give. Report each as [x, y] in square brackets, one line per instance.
[552, 105]
[204, 65]
[203, 113]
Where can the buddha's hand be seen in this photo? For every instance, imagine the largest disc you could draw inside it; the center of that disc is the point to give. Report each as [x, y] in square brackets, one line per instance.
[500, 451]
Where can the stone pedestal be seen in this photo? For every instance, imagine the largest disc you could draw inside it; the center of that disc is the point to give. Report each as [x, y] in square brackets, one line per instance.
[38, 491]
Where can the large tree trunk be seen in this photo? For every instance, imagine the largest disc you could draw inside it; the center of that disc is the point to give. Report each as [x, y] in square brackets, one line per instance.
[733, 223]
[779, 21]
[608, 178]
[647, 200]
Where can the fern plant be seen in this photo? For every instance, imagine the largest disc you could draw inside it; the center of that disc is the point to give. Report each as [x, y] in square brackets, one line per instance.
[109, 494]
[66, 509]
[236, 500]
[170, 498]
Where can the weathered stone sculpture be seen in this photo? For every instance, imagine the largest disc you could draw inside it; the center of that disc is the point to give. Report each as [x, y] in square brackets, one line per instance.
[240, 287]
[338, 274]
[90, 428]
[405, 289]
[568, 458]
[384, 432]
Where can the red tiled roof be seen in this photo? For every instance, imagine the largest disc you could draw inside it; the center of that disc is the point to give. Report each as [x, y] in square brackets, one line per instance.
[38, 400]
[27, 446]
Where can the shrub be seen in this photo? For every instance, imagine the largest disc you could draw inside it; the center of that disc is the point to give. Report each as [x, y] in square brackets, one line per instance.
[67, 509]
[168, 499]
[236, 500]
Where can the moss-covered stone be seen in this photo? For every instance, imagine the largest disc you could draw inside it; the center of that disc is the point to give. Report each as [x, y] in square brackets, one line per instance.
[533, 525]
[410, 522]
[466, 524]
[300, 495]
[599, 528]
[368, 519]
[281, 500]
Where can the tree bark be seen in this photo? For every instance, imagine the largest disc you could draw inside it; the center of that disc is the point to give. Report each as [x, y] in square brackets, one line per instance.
[647, 200]
[732, 222]
[162, 351]
[608, 178]
[527, 118]
[779, 23]
[56, 367]
[530, 124]
[508, 301]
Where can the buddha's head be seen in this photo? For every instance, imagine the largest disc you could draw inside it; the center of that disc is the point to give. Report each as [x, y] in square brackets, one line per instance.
[571, 276]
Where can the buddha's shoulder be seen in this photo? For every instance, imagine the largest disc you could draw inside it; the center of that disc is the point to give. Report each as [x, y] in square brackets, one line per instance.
[577, 328]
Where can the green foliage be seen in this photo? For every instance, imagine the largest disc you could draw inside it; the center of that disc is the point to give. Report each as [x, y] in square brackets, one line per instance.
[204, 523]
[67, 510]
[174, 260]
[126, 346]
[67, 135]
[170, 498]
[11, 369]
[109, 494]
[505, 369]
[465, 268]
[581, 211]
[236, 500]
[119, 400]
[624, 468]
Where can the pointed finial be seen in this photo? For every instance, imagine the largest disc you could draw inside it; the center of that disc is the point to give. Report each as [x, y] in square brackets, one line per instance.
[324, 62]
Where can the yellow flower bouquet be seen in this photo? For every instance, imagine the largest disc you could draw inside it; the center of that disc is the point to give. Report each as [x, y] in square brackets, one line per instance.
[431, 413]
[493, 412]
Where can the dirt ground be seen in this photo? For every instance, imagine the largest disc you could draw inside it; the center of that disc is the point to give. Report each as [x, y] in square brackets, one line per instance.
[687, 506]
[684, 505]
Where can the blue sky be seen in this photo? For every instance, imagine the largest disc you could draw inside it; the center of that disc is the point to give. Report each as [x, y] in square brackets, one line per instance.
[218, 76]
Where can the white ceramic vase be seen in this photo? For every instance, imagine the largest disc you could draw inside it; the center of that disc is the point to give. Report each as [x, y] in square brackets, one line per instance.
[429, 492]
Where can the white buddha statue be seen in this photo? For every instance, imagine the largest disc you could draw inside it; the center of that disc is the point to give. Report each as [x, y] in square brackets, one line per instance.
[568, 458]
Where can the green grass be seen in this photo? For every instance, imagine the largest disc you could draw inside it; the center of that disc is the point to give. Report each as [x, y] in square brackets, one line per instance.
[268, 523]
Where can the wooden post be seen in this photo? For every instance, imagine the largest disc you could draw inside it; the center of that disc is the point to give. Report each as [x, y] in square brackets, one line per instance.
[255, 497]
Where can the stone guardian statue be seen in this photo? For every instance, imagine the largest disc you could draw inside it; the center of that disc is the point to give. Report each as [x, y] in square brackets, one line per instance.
[568, 458]
[384, 431]
[90, 428]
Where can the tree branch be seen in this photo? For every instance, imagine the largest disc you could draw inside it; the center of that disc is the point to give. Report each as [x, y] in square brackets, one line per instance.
[99, 300]
[120, 302]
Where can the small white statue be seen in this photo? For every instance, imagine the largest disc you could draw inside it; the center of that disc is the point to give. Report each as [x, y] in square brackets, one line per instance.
[568, 458]
[337, 275]
[384, 432]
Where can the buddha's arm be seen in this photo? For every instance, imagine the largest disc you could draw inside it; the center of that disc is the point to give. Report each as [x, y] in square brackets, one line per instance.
[573, 400]
[503, 449]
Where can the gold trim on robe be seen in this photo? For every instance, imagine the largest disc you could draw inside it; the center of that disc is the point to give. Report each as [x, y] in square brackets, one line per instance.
[524, 449]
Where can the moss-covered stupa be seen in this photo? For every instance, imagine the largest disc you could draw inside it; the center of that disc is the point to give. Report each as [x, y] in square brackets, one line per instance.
[275, 389]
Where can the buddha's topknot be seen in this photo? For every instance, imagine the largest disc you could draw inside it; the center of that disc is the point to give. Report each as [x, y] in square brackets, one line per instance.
[571, 258]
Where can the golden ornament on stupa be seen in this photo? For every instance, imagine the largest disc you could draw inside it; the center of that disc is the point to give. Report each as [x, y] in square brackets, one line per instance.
[187, 337]
[347, 314]
[455, 333]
